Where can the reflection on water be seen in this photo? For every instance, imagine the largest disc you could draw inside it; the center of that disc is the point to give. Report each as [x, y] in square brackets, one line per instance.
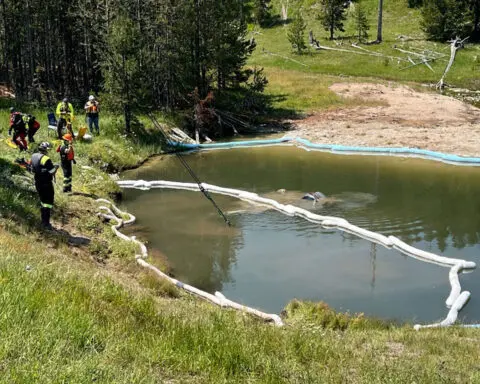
[266, 258]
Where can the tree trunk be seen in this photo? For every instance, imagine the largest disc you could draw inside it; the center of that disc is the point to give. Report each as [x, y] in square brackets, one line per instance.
[380, 20]
[6, 44]
[476, 20]
[197, 47]
[454, 46]
[126, 105]
[31, 52]
[331, 29]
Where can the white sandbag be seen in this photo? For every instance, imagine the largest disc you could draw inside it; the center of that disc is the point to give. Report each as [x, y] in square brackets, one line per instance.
[366, 234]
[402, 246]
[452, 314]
[455, 283]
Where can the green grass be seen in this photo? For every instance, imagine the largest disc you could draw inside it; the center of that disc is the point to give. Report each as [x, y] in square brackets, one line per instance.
[296, 92]
[113, 151]
[309, 92]
[82, 314]
[67, 320]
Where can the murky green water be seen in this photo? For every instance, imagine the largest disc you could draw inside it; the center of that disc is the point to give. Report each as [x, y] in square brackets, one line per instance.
[267, 258]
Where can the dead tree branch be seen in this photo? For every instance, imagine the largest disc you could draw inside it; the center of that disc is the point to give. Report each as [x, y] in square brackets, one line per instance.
[424, 61]
[454, 47]
[359, 53]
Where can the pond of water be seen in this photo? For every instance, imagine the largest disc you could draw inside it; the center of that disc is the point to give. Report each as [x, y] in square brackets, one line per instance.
[266, 258]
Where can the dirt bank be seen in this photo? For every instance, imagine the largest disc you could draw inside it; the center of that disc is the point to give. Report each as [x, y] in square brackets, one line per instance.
[407, 118]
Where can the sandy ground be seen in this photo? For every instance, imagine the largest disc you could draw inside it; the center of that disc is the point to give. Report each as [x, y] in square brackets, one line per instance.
[407, 118]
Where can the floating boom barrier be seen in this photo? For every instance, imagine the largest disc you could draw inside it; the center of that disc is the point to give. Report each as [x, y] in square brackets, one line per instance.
[112, 212]
[337, 149]
[455, 301]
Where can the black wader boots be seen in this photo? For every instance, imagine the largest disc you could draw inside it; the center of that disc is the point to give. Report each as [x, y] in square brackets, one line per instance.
[45, 213]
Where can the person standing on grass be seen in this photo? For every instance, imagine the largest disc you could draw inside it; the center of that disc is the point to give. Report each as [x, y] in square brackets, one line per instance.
[67, 157]
[92, 109]
[44, 170]
[65, 117]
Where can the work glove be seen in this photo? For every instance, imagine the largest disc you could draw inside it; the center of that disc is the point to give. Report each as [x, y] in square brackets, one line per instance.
[74, 161]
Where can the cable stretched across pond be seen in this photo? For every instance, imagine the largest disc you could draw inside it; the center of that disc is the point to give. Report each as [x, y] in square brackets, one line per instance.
[189, 169]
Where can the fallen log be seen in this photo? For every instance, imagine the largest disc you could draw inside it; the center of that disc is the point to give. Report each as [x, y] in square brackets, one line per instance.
[360, 53]
[419, 63]
[354, 45]
[421, 55]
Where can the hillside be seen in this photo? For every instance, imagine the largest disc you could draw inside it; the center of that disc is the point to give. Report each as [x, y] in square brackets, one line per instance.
[300, 82]
[357, 98]
[76, 307]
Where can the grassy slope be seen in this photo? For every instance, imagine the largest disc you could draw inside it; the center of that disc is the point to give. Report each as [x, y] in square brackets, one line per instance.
[305, 87]
[89, 313]
[70, 320]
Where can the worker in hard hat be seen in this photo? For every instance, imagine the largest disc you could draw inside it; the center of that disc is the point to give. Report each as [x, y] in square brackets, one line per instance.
[65, 117]
[92, 109]
[67, 157]
[44, 170]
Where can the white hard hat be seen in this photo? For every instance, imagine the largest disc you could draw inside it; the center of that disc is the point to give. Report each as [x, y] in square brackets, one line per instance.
[91, 97]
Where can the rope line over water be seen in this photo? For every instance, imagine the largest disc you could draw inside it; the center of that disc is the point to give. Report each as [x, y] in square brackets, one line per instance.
[190, 170]
[456, 299]
[338, 149]
[112, 212]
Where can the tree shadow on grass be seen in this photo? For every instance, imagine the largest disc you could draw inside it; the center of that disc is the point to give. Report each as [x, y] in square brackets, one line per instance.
[20, 207]
[18, 201]
[143, 136]
[281, 112]
[73, 240]
[275, 21]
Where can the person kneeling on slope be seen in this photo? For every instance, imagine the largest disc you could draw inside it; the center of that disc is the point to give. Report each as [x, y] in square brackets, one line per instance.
[44, 170]
[33, 126]
[67, 157]
[17, 125]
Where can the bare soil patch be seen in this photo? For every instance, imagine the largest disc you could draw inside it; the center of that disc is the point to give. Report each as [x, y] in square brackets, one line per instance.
[407, 118]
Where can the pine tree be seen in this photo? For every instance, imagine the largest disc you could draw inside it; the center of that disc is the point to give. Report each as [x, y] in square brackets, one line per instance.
[296, 34]
[433, 19]
[230, 46]
[332, 15]
[459, 19]
[123, 75]
[446, 19]
[361, 22]
[415, 3]
[261, 11]
[164, 49]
